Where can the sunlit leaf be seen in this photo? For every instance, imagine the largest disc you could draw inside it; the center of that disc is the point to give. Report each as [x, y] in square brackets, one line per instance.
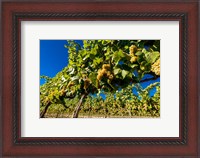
[124, 73]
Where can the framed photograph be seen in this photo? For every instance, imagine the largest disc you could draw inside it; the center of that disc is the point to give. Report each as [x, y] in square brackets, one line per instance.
[100, 79]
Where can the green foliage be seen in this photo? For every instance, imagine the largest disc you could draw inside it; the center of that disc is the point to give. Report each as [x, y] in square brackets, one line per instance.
[122, 103]
[107, 66]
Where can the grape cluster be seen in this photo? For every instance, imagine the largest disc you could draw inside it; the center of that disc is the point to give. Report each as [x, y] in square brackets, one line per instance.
[87, 82]
[133, 59]
[105, 71]
[156, 67]
[132, 50]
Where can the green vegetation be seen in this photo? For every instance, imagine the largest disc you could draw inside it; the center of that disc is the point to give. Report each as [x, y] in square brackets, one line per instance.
[111, 67]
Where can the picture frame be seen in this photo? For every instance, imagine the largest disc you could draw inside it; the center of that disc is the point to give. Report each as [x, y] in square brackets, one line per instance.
[187, 144]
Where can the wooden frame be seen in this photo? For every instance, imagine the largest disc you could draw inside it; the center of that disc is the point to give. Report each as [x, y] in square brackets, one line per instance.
[187, 144]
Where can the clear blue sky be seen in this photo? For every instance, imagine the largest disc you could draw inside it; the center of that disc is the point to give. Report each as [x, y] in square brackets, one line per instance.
[54, 57]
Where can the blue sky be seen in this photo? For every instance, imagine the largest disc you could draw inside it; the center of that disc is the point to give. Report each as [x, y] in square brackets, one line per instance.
[54, 57]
